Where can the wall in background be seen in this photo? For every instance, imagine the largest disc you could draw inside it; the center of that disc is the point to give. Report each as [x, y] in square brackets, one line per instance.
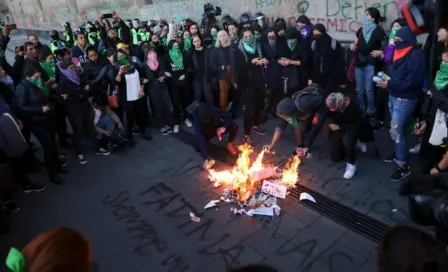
[341, 17]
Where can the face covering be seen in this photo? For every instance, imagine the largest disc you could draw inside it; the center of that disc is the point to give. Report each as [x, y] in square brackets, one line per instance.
[368, 26]
[71, 74]
[249, 45]
[123, 60]
[292, 44]
[49, 68]
[337, 102]
[441, 81]
[393, 31]
[257, 37]
[176, 57]
[39, 84]
[272, 42]
[187, 43]
[305, 31]
[152, 61]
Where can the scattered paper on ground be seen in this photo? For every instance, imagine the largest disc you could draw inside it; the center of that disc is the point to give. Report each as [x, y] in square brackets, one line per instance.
[277, 190]
[261, 211]
[211, 204]
[307, 196]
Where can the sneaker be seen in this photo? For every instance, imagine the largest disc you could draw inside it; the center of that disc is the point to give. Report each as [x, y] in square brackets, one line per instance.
[248, 140]
[350, 171]
[390, 158]
[11, 206]
[229, 106]
[136, 132]
[415, 149]
[33, 188]
[361, 146]
[188, 123]
[81, 159]
[176, 128]
[400, 173]
[63, 156]
[102, 151]
[259, 130]
[62, 164]
[166, 130]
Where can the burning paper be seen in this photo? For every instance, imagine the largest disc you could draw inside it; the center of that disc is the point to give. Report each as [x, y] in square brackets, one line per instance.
[263, 174]
[211, 204]
[261, 211]
[274, 189]
[306, 196]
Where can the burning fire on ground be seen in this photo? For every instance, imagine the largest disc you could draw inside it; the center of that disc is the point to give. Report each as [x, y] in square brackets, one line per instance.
[247, 177]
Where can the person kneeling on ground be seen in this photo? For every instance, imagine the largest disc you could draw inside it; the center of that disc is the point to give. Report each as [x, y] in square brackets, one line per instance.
[106, 123]
[210, 122]
[347, 126]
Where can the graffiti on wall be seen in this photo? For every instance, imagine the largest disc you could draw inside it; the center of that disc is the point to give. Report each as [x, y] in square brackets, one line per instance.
[341, 17]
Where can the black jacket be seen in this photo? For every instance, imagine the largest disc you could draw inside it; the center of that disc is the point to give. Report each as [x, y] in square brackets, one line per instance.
[95, 74]
[198, 74]
[76, 101]
[298, 76]
[176, 72]
[28, 103]
[217, 61]
[274, 70]
[20, 66]
[125, 36]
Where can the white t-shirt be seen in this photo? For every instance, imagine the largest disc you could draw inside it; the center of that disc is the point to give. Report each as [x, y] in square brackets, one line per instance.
[132, 86]
[97, 116]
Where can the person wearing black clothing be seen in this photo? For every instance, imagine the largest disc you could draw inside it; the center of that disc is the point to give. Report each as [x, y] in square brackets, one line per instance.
[347, 126]
[294, 59]
[210, 122]
[202, 81]
[79, 50]
[109, 36]
[95, 73]
[41, 48]
[157, 89]
[178, 72]
[252, 73]
[36, 112]
[369, 38]
[130, 84]
[223, 66]
[328, 61]
[73, 94]
[233, 32]
[305, 28]
[21, 64]
[272, 48]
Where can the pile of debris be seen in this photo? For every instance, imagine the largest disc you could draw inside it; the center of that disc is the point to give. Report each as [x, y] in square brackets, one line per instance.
[253, 188]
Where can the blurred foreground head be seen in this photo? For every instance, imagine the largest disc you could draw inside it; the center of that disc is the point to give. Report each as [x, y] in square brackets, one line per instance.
[58, 250]
[254, 268]
[407, 249]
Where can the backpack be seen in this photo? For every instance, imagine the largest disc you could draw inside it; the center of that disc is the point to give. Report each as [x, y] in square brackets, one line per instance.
[313, 89]
[333, 44]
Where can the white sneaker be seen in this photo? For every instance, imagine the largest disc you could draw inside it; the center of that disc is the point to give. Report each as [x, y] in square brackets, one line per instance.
[188, 123]
[350, 171]
[361, 146]
[176, 128]
[415, 149]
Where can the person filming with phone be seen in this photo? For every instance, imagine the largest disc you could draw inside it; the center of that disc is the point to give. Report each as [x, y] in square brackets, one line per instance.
[109, 36]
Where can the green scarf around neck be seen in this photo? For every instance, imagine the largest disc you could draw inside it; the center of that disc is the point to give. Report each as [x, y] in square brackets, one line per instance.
[187, 43]
[176, 57]
[250, 45]
[123, 60]
[441, 80]
[49, 68]
[393, 31]
[292, 44]
[37, 82]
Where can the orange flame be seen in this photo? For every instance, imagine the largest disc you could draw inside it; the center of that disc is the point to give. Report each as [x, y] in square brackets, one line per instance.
[290, 175]
[239, 178]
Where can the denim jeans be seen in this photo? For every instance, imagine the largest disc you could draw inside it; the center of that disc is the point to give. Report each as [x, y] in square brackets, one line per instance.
[364, 88]
[106, 124]
[401, 113]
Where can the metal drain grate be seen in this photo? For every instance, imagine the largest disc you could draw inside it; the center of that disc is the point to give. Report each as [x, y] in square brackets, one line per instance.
[348, 217]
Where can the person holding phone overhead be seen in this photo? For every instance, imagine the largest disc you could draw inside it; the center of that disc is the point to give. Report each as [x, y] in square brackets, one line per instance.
[109, 36]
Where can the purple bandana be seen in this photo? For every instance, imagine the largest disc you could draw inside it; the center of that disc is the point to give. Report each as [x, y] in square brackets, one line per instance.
[72, 75]
[305, 31]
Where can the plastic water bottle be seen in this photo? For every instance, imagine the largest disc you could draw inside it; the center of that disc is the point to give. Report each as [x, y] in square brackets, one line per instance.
[377, 79]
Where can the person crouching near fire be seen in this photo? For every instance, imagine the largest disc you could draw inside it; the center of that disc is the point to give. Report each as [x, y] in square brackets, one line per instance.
[210, 122]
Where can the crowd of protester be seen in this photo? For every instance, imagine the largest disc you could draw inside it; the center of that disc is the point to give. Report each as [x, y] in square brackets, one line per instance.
[106, 78]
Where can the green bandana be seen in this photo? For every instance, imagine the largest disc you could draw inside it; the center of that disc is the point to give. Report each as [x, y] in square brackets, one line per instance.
[257, 37]
[250, 45]
[39, 84]
[15, 260]
[164, 40]
[292, 120]
[187, 43]
[49, 68]
[393, 31]
[123, 60]
[2, 53]
[176, 57]
[441, 80]
[292, 44]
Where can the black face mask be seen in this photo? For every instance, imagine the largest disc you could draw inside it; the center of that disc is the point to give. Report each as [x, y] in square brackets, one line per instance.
[317, 37]
[157, 43]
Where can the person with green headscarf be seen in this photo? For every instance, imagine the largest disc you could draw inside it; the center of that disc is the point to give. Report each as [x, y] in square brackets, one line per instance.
[214, 34]
[252, 78]
[177, 71]
[186, 41]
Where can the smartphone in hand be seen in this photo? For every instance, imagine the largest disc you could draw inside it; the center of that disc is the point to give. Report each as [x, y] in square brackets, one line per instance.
[12, 26]
[107, 15]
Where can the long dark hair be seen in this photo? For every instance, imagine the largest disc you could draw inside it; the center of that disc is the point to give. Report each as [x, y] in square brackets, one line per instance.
[376, 15]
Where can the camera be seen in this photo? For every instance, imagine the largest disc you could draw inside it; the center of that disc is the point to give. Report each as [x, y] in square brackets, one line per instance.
[209, 16]
[428, 202]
